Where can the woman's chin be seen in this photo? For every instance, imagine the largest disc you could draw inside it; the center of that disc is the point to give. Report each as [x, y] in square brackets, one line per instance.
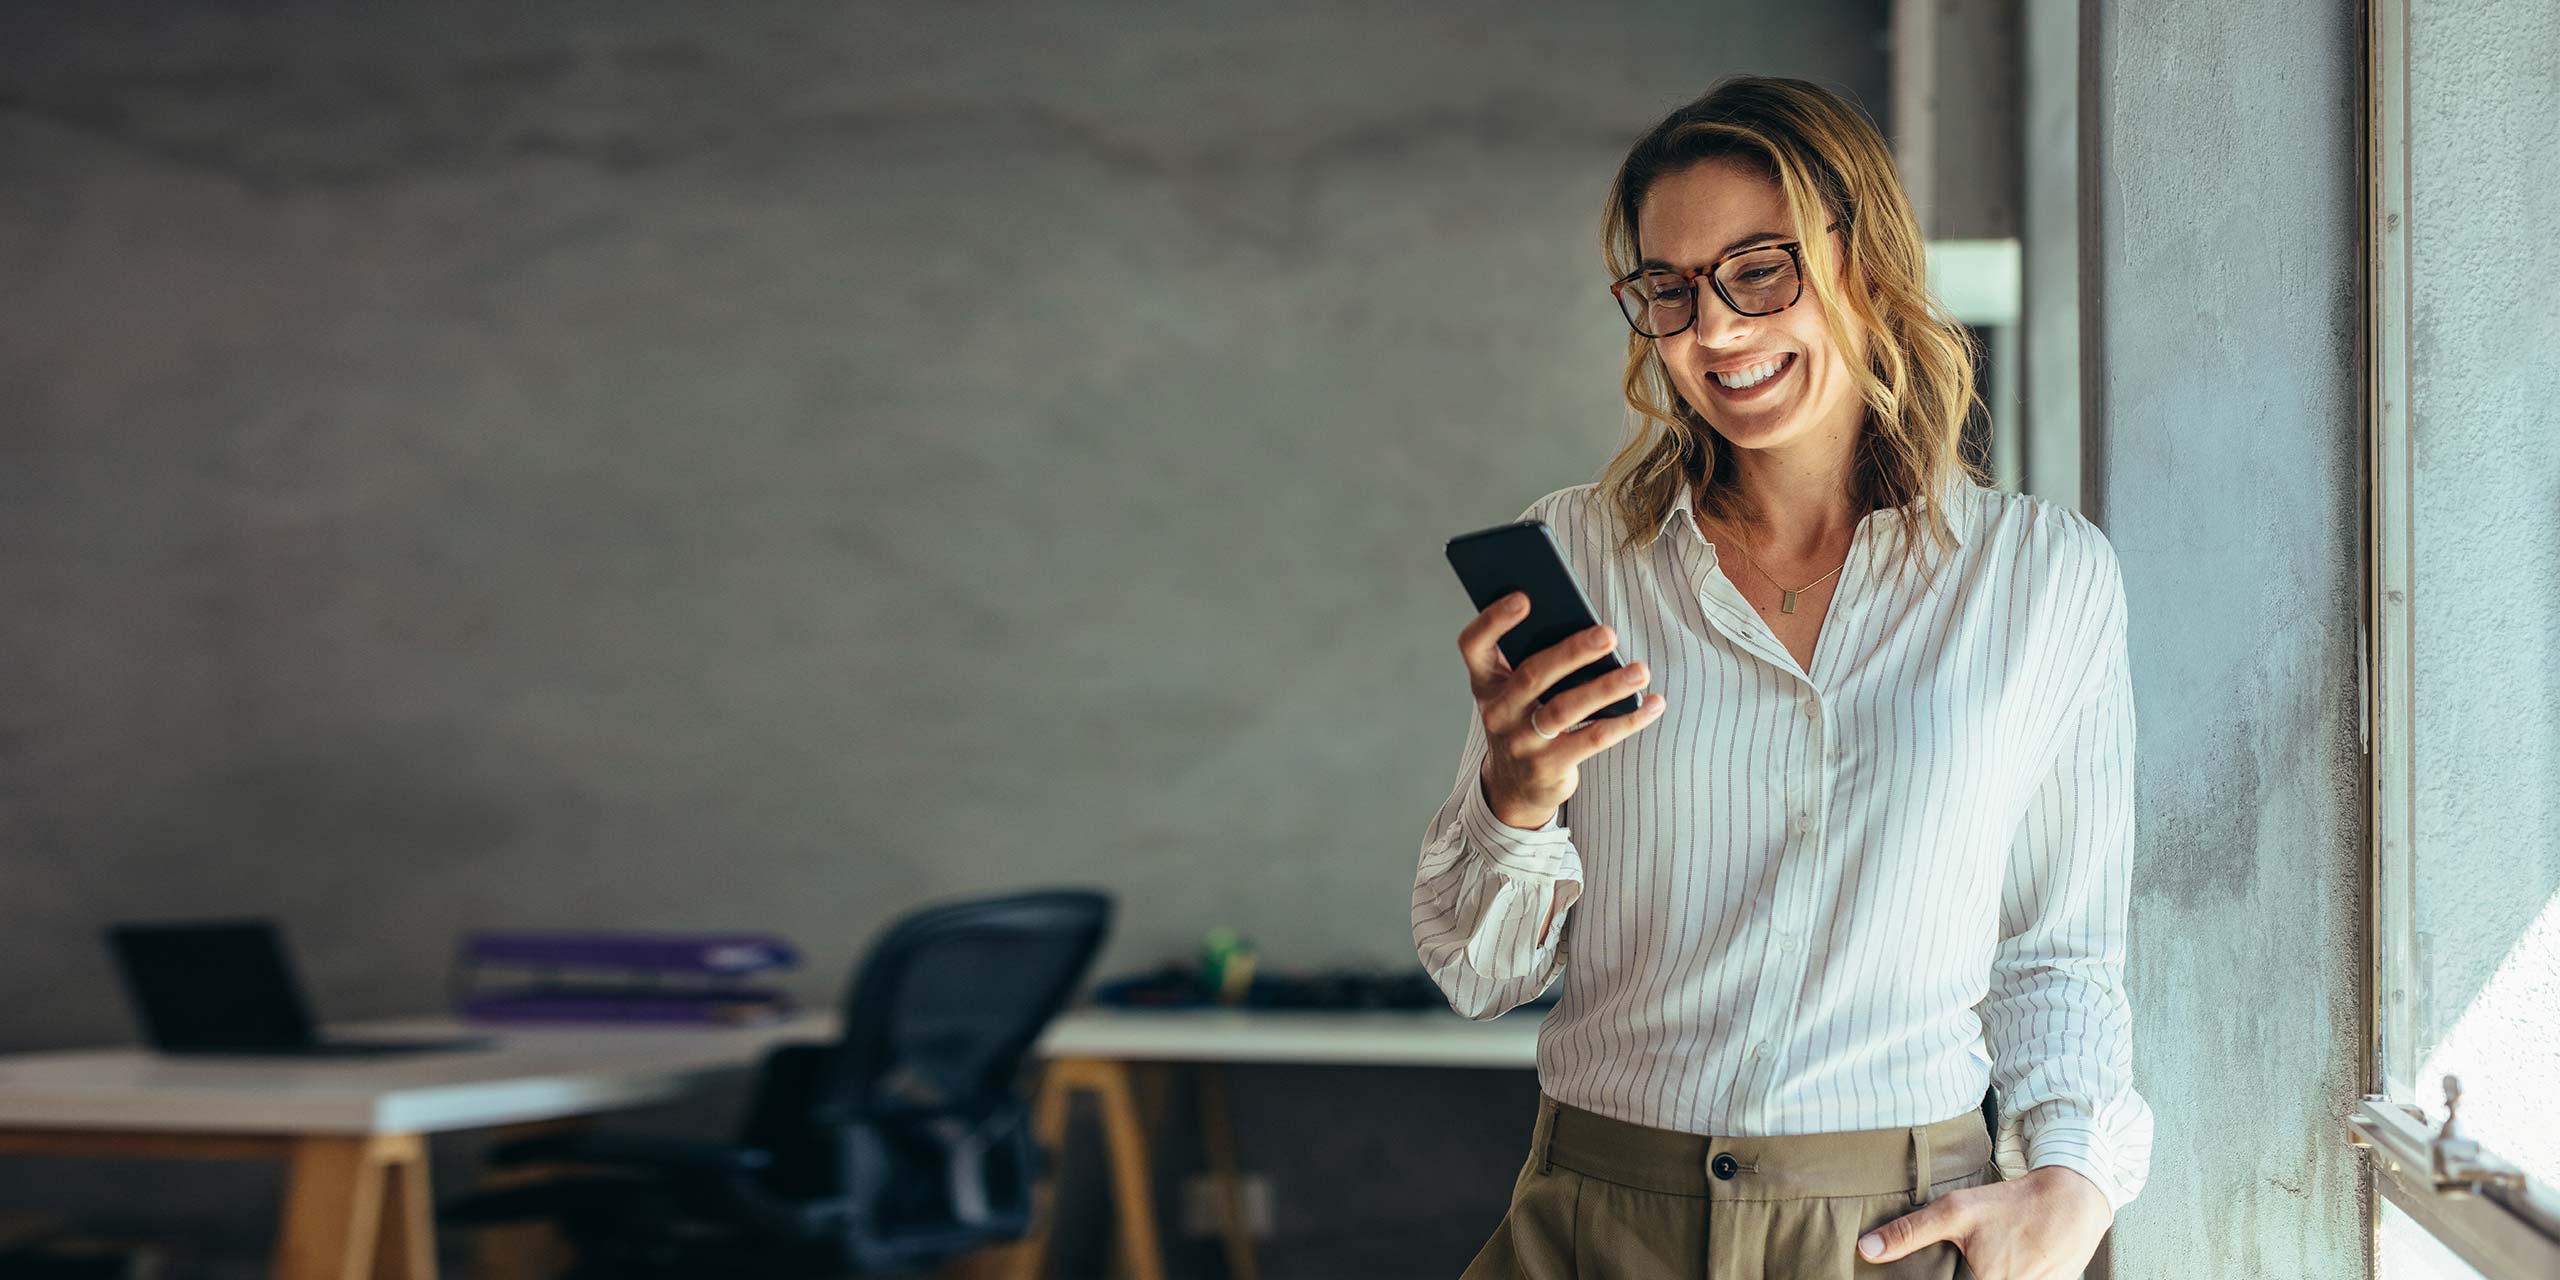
[1755, 433]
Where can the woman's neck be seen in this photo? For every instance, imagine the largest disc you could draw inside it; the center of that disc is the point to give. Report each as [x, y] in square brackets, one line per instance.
[1801, 513]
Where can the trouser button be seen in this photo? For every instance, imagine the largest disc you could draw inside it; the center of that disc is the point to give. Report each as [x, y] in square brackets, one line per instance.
[1725, 1166]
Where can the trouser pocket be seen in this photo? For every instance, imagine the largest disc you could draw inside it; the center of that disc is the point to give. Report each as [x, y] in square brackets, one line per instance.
[1539, 1234]
[1939, 1261]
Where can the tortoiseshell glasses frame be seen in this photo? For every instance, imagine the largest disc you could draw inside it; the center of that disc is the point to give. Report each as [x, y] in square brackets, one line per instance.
[1628, 309]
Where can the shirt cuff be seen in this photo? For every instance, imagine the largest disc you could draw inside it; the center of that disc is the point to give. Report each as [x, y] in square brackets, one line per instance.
[1526, 851]
[2073, 1142]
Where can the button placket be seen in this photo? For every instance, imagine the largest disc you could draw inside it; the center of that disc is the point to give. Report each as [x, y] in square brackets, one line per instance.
[1775, 995]
[1817, 793]
[1785, 958]
[1747, 1084]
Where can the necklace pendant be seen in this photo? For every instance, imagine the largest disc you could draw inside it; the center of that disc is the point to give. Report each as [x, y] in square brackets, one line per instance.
[1786, 601]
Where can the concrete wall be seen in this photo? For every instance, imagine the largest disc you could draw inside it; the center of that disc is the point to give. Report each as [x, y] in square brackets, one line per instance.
[638, 464]
[2221, 166]
[2484, 375]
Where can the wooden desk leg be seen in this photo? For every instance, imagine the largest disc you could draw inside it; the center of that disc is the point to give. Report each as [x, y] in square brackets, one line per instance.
[1125, 1141]
[355, 1208]
[1132, 1177]
[1151, 1091]
[1030, 1259]
[1217, 1127]
[408, 1248]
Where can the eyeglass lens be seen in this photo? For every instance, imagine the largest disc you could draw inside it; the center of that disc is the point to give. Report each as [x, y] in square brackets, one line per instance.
[1758, 282]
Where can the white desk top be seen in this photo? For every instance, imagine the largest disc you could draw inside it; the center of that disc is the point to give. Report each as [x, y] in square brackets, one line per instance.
[1425, 1038]
[531, 1073]
[547, 1072]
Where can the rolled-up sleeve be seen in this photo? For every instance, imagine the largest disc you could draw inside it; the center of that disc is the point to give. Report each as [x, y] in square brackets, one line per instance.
[2056, 1015]
[1480, 891]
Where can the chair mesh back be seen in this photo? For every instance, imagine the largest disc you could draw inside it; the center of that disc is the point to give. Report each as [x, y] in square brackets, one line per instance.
[953, 996]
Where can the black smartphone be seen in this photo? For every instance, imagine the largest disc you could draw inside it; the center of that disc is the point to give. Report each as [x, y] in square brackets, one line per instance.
[1523, 557]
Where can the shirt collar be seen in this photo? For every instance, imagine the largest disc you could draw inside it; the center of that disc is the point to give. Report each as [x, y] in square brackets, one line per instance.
[1959, 508]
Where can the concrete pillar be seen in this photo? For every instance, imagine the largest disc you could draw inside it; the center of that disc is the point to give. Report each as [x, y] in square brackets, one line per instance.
[2220, 156]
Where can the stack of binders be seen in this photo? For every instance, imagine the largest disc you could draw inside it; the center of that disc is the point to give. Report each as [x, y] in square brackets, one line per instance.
[622, 977]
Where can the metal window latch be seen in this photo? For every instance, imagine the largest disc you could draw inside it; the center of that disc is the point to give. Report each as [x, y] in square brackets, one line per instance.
[2458, 1158]
[2453, 1161]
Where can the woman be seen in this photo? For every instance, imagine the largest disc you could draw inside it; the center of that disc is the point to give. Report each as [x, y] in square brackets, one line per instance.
[1867, 849]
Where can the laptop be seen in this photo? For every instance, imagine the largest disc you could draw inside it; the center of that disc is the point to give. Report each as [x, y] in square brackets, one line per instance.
[226, 987]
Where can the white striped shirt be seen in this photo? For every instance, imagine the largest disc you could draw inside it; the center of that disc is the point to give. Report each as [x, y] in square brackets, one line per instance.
[1844, 899]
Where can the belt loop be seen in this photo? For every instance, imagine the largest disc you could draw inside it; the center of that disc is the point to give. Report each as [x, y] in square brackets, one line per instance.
[1919, 1164]
[1543, 1136]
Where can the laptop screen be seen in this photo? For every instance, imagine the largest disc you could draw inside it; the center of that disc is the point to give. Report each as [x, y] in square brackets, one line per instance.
[212, 986]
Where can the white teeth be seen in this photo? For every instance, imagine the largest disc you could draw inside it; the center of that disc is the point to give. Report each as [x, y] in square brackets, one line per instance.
[1752, 376]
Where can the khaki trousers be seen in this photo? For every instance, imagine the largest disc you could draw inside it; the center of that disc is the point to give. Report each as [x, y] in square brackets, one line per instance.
[1602, 1198]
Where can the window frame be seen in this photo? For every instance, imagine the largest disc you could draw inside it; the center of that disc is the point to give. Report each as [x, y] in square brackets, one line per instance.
[2483, 1209]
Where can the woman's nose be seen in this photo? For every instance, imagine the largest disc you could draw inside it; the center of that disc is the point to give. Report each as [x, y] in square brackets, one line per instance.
[1717, 326]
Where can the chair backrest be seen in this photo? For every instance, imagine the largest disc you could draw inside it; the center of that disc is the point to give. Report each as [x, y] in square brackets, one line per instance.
[951, 997]
[907, 1142]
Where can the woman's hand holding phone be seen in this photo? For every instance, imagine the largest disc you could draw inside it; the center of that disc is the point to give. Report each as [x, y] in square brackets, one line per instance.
[1528, 776]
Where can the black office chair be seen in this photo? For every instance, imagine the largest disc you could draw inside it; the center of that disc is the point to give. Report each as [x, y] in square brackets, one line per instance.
[905, 1143]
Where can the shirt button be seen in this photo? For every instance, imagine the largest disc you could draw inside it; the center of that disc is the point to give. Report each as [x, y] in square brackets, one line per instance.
[1813, 708]
[1725, 1165]
[1786, 942]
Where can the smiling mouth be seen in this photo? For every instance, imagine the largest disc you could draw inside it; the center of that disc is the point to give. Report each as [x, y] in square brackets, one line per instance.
[1758, 389]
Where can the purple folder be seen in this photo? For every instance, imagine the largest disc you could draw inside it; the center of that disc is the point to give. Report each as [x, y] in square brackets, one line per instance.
[593, 977]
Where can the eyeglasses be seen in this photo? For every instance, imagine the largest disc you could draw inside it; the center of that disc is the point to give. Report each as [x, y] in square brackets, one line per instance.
[1759, 281]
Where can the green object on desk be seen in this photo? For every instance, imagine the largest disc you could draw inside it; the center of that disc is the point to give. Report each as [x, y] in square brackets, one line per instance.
[1226, 966]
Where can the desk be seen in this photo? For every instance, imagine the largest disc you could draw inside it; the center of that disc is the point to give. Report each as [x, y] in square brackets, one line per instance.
[351, 1131]
[1092, 1051]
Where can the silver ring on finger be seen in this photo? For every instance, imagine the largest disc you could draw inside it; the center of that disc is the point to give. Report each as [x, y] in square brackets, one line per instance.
[1535, 728]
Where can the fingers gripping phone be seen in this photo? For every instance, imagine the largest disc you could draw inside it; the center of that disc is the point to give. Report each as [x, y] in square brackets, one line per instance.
[1523, 557]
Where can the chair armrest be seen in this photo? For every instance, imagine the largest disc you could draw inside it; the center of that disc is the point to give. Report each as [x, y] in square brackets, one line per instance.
[632, 1150]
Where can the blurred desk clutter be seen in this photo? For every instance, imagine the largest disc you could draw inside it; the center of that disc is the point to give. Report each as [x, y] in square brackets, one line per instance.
[557, 976]
[1229, 974]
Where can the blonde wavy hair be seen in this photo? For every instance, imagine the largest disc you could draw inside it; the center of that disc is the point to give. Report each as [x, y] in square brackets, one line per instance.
[1918, 383]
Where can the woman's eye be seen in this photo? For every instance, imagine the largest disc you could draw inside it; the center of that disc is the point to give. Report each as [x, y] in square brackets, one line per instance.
[1758, 275]
[1676, 293]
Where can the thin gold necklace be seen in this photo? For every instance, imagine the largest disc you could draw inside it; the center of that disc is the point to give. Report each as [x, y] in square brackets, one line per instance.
[1786, 598]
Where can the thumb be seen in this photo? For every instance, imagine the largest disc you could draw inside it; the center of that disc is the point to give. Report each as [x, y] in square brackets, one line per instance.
[1938, 1220]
